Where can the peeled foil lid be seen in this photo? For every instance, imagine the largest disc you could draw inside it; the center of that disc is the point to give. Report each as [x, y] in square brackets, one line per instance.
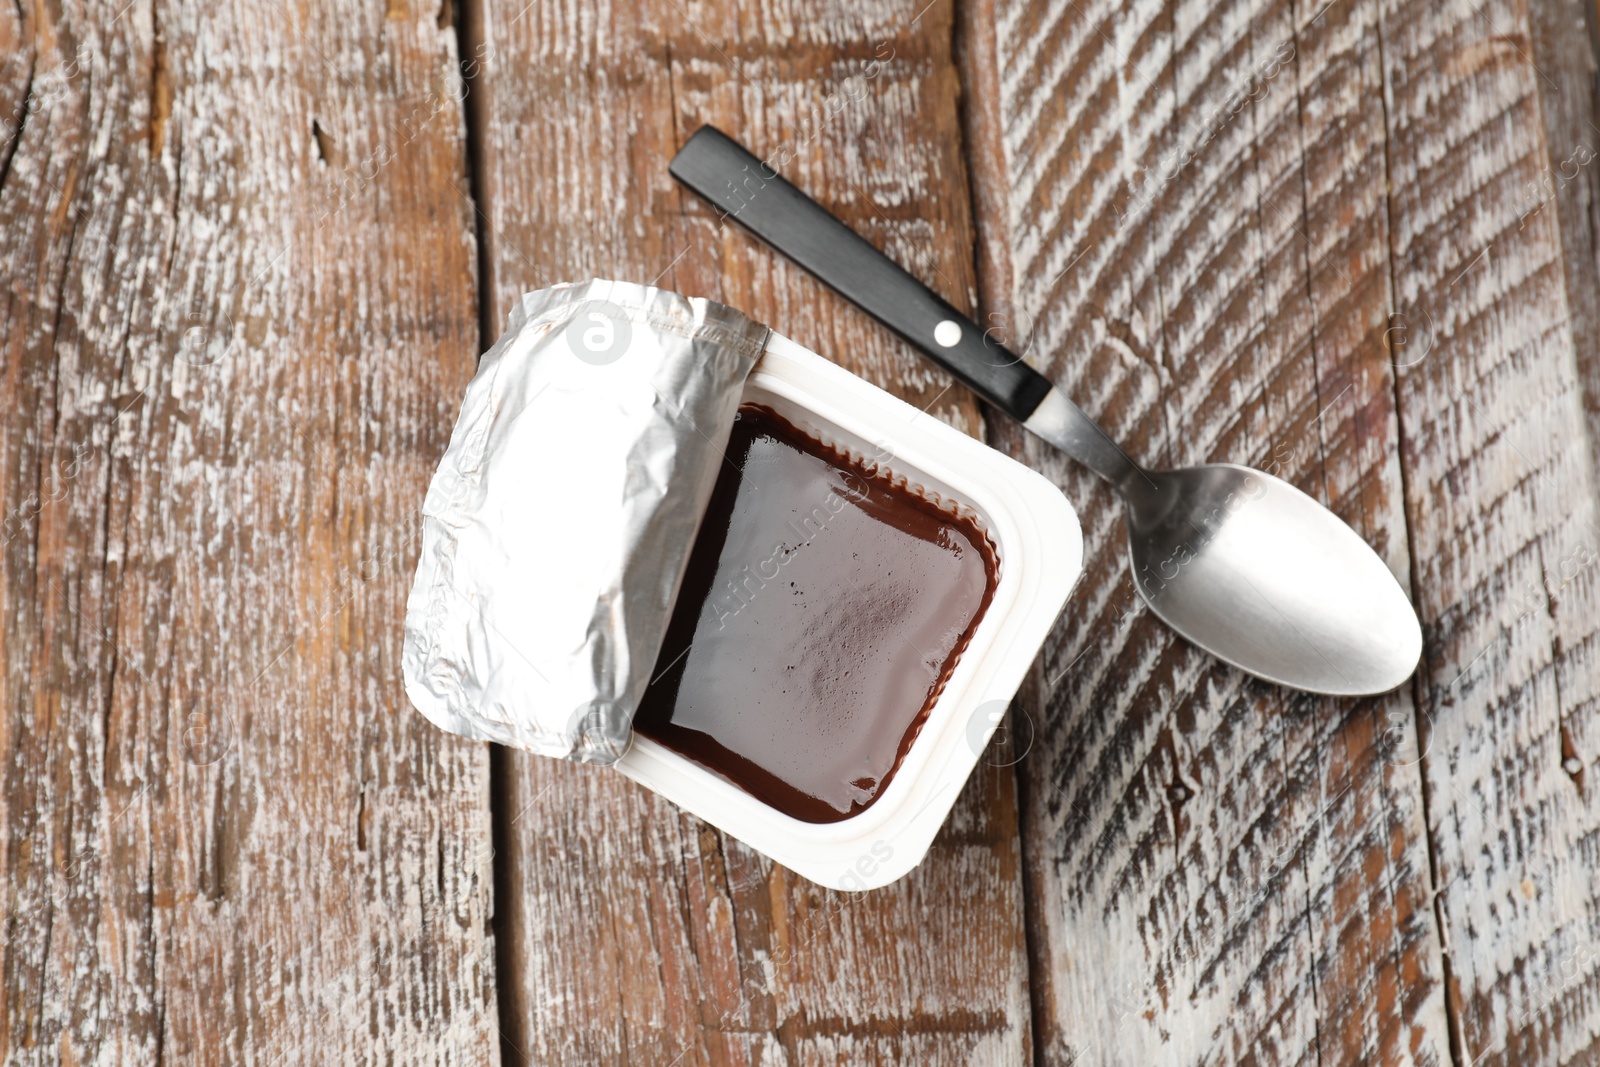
[556, 530]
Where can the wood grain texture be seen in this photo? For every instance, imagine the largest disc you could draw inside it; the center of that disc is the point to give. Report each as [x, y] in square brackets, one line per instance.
[1350, 242]
[238, 309]
[630, 931]
[1565, 48]
[1219, 871]
[1501, 497]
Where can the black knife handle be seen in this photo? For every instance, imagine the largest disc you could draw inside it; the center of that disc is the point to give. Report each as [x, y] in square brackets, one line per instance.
[755, 196]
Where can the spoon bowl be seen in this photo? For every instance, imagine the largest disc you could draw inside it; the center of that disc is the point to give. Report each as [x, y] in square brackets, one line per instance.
[1262, 576]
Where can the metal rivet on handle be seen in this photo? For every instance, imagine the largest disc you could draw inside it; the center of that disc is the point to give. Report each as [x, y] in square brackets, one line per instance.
[947, 333]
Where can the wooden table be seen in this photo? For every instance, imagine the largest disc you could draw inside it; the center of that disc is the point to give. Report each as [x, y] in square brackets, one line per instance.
[251, 251]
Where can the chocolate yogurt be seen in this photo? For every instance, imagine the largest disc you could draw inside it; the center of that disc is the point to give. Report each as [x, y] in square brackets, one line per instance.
[822, 610]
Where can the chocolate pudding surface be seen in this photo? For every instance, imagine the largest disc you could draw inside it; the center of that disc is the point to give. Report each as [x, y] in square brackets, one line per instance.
[821, 613]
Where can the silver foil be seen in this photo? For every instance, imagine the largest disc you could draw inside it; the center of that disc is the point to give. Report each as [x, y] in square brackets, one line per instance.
[557, 527]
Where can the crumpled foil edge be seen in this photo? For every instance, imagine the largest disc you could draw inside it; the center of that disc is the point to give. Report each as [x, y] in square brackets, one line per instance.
[452, 649]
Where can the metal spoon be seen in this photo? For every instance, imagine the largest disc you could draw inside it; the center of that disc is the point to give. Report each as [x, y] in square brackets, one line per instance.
[1241, 563]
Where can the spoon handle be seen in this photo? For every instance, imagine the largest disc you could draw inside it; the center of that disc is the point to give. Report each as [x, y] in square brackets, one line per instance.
[755, 196]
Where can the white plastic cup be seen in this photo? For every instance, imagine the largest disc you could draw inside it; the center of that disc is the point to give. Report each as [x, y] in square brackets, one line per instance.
[1040, 548]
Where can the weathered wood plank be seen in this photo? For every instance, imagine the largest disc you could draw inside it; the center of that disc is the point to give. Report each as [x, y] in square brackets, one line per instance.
[631, 932]
[1502, 500]
[1194, 204]
[1564, 51]
[239, 304]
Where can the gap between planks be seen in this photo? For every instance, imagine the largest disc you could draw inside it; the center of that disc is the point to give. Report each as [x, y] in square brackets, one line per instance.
[510, 1005]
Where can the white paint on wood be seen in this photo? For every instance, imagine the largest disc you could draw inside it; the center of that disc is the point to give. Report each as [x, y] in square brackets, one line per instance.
[1197, 211]
[231, 365]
